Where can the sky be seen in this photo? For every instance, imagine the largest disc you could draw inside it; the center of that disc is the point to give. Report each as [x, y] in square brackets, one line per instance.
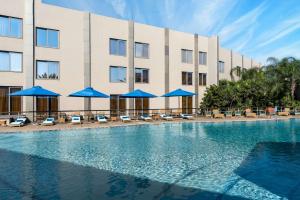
[256, 28]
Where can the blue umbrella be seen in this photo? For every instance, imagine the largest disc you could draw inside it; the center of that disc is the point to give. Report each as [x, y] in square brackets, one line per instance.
[179, 93]
[35, 91]
[138, 94]
[89, 92]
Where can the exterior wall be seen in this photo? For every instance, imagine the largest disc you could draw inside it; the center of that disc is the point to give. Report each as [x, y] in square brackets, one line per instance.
[70, 52]
[225, 56]
[155, 62]
[237, 60]
[13, 44]
[84, 56]
[247, 63]
[178, 41]
[102, 29]
[203, 46]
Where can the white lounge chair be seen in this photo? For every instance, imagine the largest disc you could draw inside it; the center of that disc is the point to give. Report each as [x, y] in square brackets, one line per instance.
[166, 117]
[125, 118]
[18, 122]
[101, 119]
[186, 116]
[76, 119]
[146, 118]
[50, 121]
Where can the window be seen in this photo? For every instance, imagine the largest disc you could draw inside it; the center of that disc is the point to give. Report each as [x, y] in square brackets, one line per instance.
[141, 106]
[117, 74]
[187, 105]
[186, 56]
[202, 58]
[221, 67]
[117, 47]
[141, 75]
[202, 79]
[47, 38]
[47, 70]
[9, 104]
[47, 105]
[117, 105]
[10, 61]
[141, 50]
[10, 27]
[187, 78]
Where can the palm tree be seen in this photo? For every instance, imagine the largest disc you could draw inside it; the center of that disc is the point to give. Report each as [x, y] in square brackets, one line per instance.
[236, 72]
[289, 69]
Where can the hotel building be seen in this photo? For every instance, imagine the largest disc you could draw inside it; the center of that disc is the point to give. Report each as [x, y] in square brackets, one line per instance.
[66, 50]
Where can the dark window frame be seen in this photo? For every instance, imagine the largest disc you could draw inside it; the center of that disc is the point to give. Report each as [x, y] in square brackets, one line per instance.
[122, 67]
[36, 70]
[187, 78]
[47, 46]
[148, 50]
[118, 52]
[21, 28]
[142, 75]
[22, 62]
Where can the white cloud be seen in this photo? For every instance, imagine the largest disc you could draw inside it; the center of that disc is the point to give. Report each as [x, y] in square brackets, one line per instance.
[243, 25]
[169, 9]
[119, 6]
[281, 52]
[281, 30]
[210, 14]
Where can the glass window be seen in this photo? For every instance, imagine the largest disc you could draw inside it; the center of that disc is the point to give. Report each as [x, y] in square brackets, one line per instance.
[4, 26]
[16, 27]
[117, 105]
[202, 58]
[9, 103]
[117, 74]
[10, 27]
[221, 67]
[47, 38]
[117, 47]
[53, 38]
[16, 62]
[15, 102]
[47, 70]
[141, 50]
[187, 78]
[41, 39]
[141, 75]
[4, 61]
[4, 100]
[202, 79]
[10, 61]
[187, 56]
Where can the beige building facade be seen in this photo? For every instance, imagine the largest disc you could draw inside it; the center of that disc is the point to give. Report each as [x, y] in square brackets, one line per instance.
[66, 50]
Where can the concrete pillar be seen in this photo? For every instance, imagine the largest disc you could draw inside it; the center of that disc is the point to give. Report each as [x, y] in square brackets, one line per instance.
[196, 70]
[87, 56]
[212, 61]
[131, 61]
[167, 67]
[28, 53]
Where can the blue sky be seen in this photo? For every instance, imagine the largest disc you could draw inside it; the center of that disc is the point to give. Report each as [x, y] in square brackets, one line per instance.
[256, 28]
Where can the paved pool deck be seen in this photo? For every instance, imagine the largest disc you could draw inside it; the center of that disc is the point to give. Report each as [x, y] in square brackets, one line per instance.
[90, 125]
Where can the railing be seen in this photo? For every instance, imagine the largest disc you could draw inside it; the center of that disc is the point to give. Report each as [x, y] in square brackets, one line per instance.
[133, 113]
[89, 114]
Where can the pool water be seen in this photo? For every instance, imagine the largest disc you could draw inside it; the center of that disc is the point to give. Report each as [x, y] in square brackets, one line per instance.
[230, 160]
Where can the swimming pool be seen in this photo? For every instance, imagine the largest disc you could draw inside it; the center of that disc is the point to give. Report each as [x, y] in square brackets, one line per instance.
[226, 160]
